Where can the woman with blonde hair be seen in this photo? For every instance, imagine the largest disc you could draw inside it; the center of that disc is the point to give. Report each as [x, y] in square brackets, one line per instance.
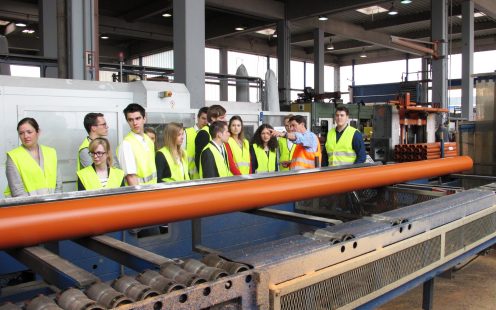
[171, 160]
[100, 174]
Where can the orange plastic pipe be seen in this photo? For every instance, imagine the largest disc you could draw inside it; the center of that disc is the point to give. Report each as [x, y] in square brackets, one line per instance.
[32, 224]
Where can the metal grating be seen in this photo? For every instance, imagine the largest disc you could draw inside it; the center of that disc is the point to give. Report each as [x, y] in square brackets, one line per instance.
[347, 287]
[364, 202]
[469, 233]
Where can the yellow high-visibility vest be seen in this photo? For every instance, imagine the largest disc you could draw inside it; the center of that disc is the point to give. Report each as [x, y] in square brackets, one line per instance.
[85, 144]
[36, 180]
[191, 151]
[178, 173]
[90, 179]
[341, 152]
[241, 155]
[145, 159]
[285, 154]
[265, 163]
[220, 163]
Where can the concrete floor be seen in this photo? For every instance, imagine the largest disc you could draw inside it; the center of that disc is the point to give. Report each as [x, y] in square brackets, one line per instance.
[473, 287]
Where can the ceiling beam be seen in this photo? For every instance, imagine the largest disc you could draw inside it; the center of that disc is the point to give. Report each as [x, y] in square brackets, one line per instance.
[261, 47]
[151, 9]
[352, 31]
[266, 9]
[297, 9]
[486, 6]
[483, 44]
[398, 20]
[117, 26]
[18, 11]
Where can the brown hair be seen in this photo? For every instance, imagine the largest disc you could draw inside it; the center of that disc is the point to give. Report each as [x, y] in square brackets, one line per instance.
[31, 121]
[241, 135]
[215, 111]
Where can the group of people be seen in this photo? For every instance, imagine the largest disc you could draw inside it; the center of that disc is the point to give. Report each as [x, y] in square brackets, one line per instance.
[212, 148]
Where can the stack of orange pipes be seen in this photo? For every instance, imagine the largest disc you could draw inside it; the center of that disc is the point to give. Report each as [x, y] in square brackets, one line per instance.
[424, 151]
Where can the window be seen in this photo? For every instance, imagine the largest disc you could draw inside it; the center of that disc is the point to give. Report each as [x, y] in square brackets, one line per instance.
[26, 71]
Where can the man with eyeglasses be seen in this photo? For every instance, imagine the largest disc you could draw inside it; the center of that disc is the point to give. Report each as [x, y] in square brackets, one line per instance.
[96, 126]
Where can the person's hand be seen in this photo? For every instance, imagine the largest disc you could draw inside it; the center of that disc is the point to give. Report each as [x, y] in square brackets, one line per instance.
[276, 133]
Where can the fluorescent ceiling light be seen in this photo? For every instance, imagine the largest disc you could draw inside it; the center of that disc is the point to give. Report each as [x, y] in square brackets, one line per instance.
[330, 46]
[476, 14]
[372, 10]
[267, 31]
[363, 55]
[406, 1]
[104, 37]
[28, 31]
[392, 10]
[323, 18]
[167, 15]
[240, 28]
[20, 24]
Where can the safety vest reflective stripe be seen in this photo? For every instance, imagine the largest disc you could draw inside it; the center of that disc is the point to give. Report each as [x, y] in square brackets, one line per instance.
[84, 145]
[342, 163]
[341, 152]
[304, 159]
[36, 181]
[285, 154]
[178, 172]
[91, 181]
[148, 179]
[145, 159]
[241, 155]
[190, 150]
[220, 163]
[265, 163]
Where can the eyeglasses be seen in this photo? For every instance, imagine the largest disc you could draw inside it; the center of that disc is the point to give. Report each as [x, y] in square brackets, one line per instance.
[97, 154]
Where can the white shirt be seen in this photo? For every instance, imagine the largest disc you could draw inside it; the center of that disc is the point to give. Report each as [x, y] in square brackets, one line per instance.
[127, 160]
[220, 148]
[289, 143]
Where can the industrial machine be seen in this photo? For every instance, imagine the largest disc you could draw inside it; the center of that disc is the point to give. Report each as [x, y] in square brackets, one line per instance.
[247, 242]
[401, 122]
[477, 137]
[323, 107]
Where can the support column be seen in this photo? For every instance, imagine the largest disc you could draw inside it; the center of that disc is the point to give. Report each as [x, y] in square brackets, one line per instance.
[428, 294]
[467, 59]
[48, 33]
[83, 38]
[439, 26]
[353, 62]
[283, 61]
[407, 60]
[337, 78]
[424, 94]
[223, 70]
[189, 48]
[318, 59]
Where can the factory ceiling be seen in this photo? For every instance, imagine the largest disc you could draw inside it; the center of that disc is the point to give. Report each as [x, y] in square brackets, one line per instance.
[143, 27]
